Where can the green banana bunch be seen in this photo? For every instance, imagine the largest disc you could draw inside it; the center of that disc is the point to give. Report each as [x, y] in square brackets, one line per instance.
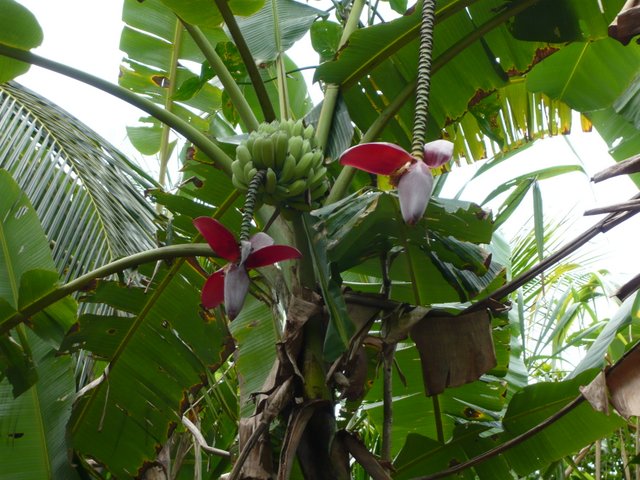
[295, 172]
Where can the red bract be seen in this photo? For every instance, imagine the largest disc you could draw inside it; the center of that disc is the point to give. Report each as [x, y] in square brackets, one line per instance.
[231, 283]
[413, 177]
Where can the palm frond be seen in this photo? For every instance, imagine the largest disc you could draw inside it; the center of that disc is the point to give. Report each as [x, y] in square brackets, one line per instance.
[88, 195]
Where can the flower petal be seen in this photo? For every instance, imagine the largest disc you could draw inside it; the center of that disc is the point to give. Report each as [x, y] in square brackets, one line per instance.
[270, 255]
[219, 238]
[438, 152]
[260, 240]
[377, 157]
[213, 290]
[236, 286]
[414, 190]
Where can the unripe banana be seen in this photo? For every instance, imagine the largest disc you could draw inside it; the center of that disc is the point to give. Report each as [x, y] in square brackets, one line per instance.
[237, 169]
[295, 146]
[243, 154]
[300, 206]
[303, 166]
[318, 159]
[317, 178]
[320, 190]
[297, 187]
[306, 146]
[268, 152]
[250, 141]
[296, 130]
[288, 169]
[239, 184]
[282, 193]
[281, 142]
[287, 127]
[256, 152]
[251, 174]
[270, 181]
[309, 176]
[246, 169]
[308, 132]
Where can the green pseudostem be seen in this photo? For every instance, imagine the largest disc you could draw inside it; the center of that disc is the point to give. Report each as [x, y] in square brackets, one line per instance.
[423, 85]
[250, 203]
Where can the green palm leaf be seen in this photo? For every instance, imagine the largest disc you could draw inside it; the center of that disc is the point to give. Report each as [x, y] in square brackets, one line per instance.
[87, 194]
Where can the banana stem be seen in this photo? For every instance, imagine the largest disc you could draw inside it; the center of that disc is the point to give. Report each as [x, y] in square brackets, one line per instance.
[250, 203]
[424, 79]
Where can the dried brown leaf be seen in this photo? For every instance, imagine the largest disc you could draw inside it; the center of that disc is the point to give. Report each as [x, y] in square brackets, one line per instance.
[453, 350]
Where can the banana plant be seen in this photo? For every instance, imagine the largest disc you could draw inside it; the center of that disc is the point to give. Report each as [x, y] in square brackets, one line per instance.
[285, 311]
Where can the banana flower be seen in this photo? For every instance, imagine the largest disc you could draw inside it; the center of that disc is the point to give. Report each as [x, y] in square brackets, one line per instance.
[412, 176]
[230, 284]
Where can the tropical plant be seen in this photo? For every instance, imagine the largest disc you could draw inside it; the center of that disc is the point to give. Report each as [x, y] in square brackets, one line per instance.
[165, 357]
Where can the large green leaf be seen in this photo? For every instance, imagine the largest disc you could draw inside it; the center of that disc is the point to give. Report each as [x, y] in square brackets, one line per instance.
[32, 427]
[294, 20]
[19, 29]
[92, 209]
[381, 60]
[475, 402]
[24, 246]
[155, 43]
[587, 76]
[32, 440]
[162, 351]
[448, 267]
[578, 428]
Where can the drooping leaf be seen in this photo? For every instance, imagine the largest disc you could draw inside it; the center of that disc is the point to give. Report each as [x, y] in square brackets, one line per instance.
[453, 350]
[19, 29]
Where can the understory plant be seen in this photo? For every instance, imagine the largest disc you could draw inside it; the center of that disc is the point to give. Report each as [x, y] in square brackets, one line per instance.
[303, 303]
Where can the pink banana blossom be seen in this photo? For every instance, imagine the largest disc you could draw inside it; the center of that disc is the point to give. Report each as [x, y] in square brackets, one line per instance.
[230, 284]
[412, 176]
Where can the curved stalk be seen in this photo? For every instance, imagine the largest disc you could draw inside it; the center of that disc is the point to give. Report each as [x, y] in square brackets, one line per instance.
[423, 85]
[247, 58]
[162, 253]
[229, 84]
[196, 137]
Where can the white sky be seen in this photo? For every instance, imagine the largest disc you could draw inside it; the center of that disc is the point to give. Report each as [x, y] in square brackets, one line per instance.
[85, 34]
